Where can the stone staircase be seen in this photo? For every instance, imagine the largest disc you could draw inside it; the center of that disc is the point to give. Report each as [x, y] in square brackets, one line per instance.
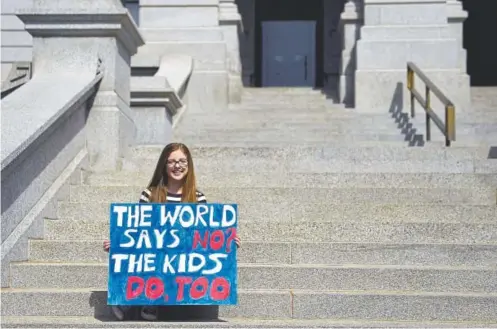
[343, 223]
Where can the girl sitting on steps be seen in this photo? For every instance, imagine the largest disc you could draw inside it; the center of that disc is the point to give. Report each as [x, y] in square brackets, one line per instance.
[173, 181]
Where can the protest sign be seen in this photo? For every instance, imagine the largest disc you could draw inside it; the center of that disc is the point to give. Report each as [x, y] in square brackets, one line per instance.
[172, 254]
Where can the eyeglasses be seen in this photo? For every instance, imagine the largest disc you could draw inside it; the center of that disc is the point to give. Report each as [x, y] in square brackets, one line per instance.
[181, 162]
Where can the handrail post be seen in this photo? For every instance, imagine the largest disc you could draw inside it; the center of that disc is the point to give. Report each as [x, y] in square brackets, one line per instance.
[450, 124]
[410, 86]
[427, 108]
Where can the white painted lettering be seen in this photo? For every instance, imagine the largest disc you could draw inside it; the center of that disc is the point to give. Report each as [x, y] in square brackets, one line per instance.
[201, 211]
[145, 215]
[224, 222]
[127, 233]
[167, 217]
[176, 241]
[149, 264]
[135, 264]
[120, 210]
[216, 258]
[118, 258]
[190, 217]
[168, 267]
[144, 238]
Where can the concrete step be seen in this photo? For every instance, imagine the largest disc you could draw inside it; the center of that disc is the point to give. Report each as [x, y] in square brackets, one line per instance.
[281, 277]
[327, 253]
[287, 136]
[296, 304]
[326, 212]
[232, 323]
[354, 153]
[338, 143]
[93, 302]
[256, 91]
[345, 126]
[331, 165]
[375, 231]
[253, 196]
[304, 180]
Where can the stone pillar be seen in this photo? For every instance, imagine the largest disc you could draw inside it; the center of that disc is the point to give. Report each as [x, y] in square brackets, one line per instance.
[188, 27]
[351, 22]
[456, 17]
[231, 24]
[247, 40]
[399, 31]
[72, 38]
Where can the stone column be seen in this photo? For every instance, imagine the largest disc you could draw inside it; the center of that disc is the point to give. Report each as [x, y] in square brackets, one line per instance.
[188, 27]
[247, 40]
[456, 17]
[398, 31]
[351, 22]
[231, 24]
[79, 37]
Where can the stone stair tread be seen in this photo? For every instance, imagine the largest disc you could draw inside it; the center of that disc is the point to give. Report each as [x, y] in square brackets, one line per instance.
[284, 304]
[235, 323]
[304, 180]
[288, 266]
[266, 252]
[276, 291]
[481, 195]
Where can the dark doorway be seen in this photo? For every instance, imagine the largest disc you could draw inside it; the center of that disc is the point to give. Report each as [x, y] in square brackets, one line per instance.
[289, 10]
[480, 41]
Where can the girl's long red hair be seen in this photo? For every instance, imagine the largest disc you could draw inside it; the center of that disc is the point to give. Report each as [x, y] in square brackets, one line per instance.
[158, 183]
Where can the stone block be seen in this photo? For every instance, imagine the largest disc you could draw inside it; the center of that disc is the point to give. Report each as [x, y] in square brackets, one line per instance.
[386, 91]
[184, 35]
[207, 91]
[411, 12]
[426, 54]
[398, 33]
[178, 16]
[16, 38]
[153, 125]
[12, 54]
[208, 56]
[11, 22]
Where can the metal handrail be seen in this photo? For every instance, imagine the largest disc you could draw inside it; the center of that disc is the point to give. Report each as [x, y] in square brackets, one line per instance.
[448, 126]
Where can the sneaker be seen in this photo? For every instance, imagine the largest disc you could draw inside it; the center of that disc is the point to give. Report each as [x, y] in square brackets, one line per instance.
[149, 313]
[119, 312]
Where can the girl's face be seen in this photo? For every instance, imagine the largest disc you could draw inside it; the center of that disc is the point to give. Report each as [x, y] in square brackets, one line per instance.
[177, 166]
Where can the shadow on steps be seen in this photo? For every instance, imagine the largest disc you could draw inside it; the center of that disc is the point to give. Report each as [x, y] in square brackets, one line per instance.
[176, 313]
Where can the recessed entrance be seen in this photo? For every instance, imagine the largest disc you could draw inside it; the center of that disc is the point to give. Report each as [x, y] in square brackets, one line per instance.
[289, 43]
[288, 53]
[480, 41]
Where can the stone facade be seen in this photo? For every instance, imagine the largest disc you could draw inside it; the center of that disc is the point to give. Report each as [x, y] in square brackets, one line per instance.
[220, 36]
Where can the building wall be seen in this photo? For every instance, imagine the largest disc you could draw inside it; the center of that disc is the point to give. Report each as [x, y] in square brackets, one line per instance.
[16, 42]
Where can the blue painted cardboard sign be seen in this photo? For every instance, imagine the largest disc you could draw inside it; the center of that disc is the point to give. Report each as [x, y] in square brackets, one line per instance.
[172, 254]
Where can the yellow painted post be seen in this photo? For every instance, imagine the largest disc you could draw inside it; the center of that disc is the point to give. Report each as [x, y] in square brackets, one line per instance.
[410, 87]
[427, 116]
[450, 124]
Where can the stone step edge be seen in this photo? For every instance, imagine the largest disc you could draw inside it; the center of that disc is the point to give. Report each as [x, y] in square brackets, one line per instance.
[290, 292]
[92, 322]
[284, 266]
[102, 221]
[307, 243]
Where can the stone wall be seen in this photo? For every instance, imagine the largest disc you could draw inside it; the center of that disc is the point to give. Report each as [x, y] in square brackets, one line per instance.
[16, 42]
